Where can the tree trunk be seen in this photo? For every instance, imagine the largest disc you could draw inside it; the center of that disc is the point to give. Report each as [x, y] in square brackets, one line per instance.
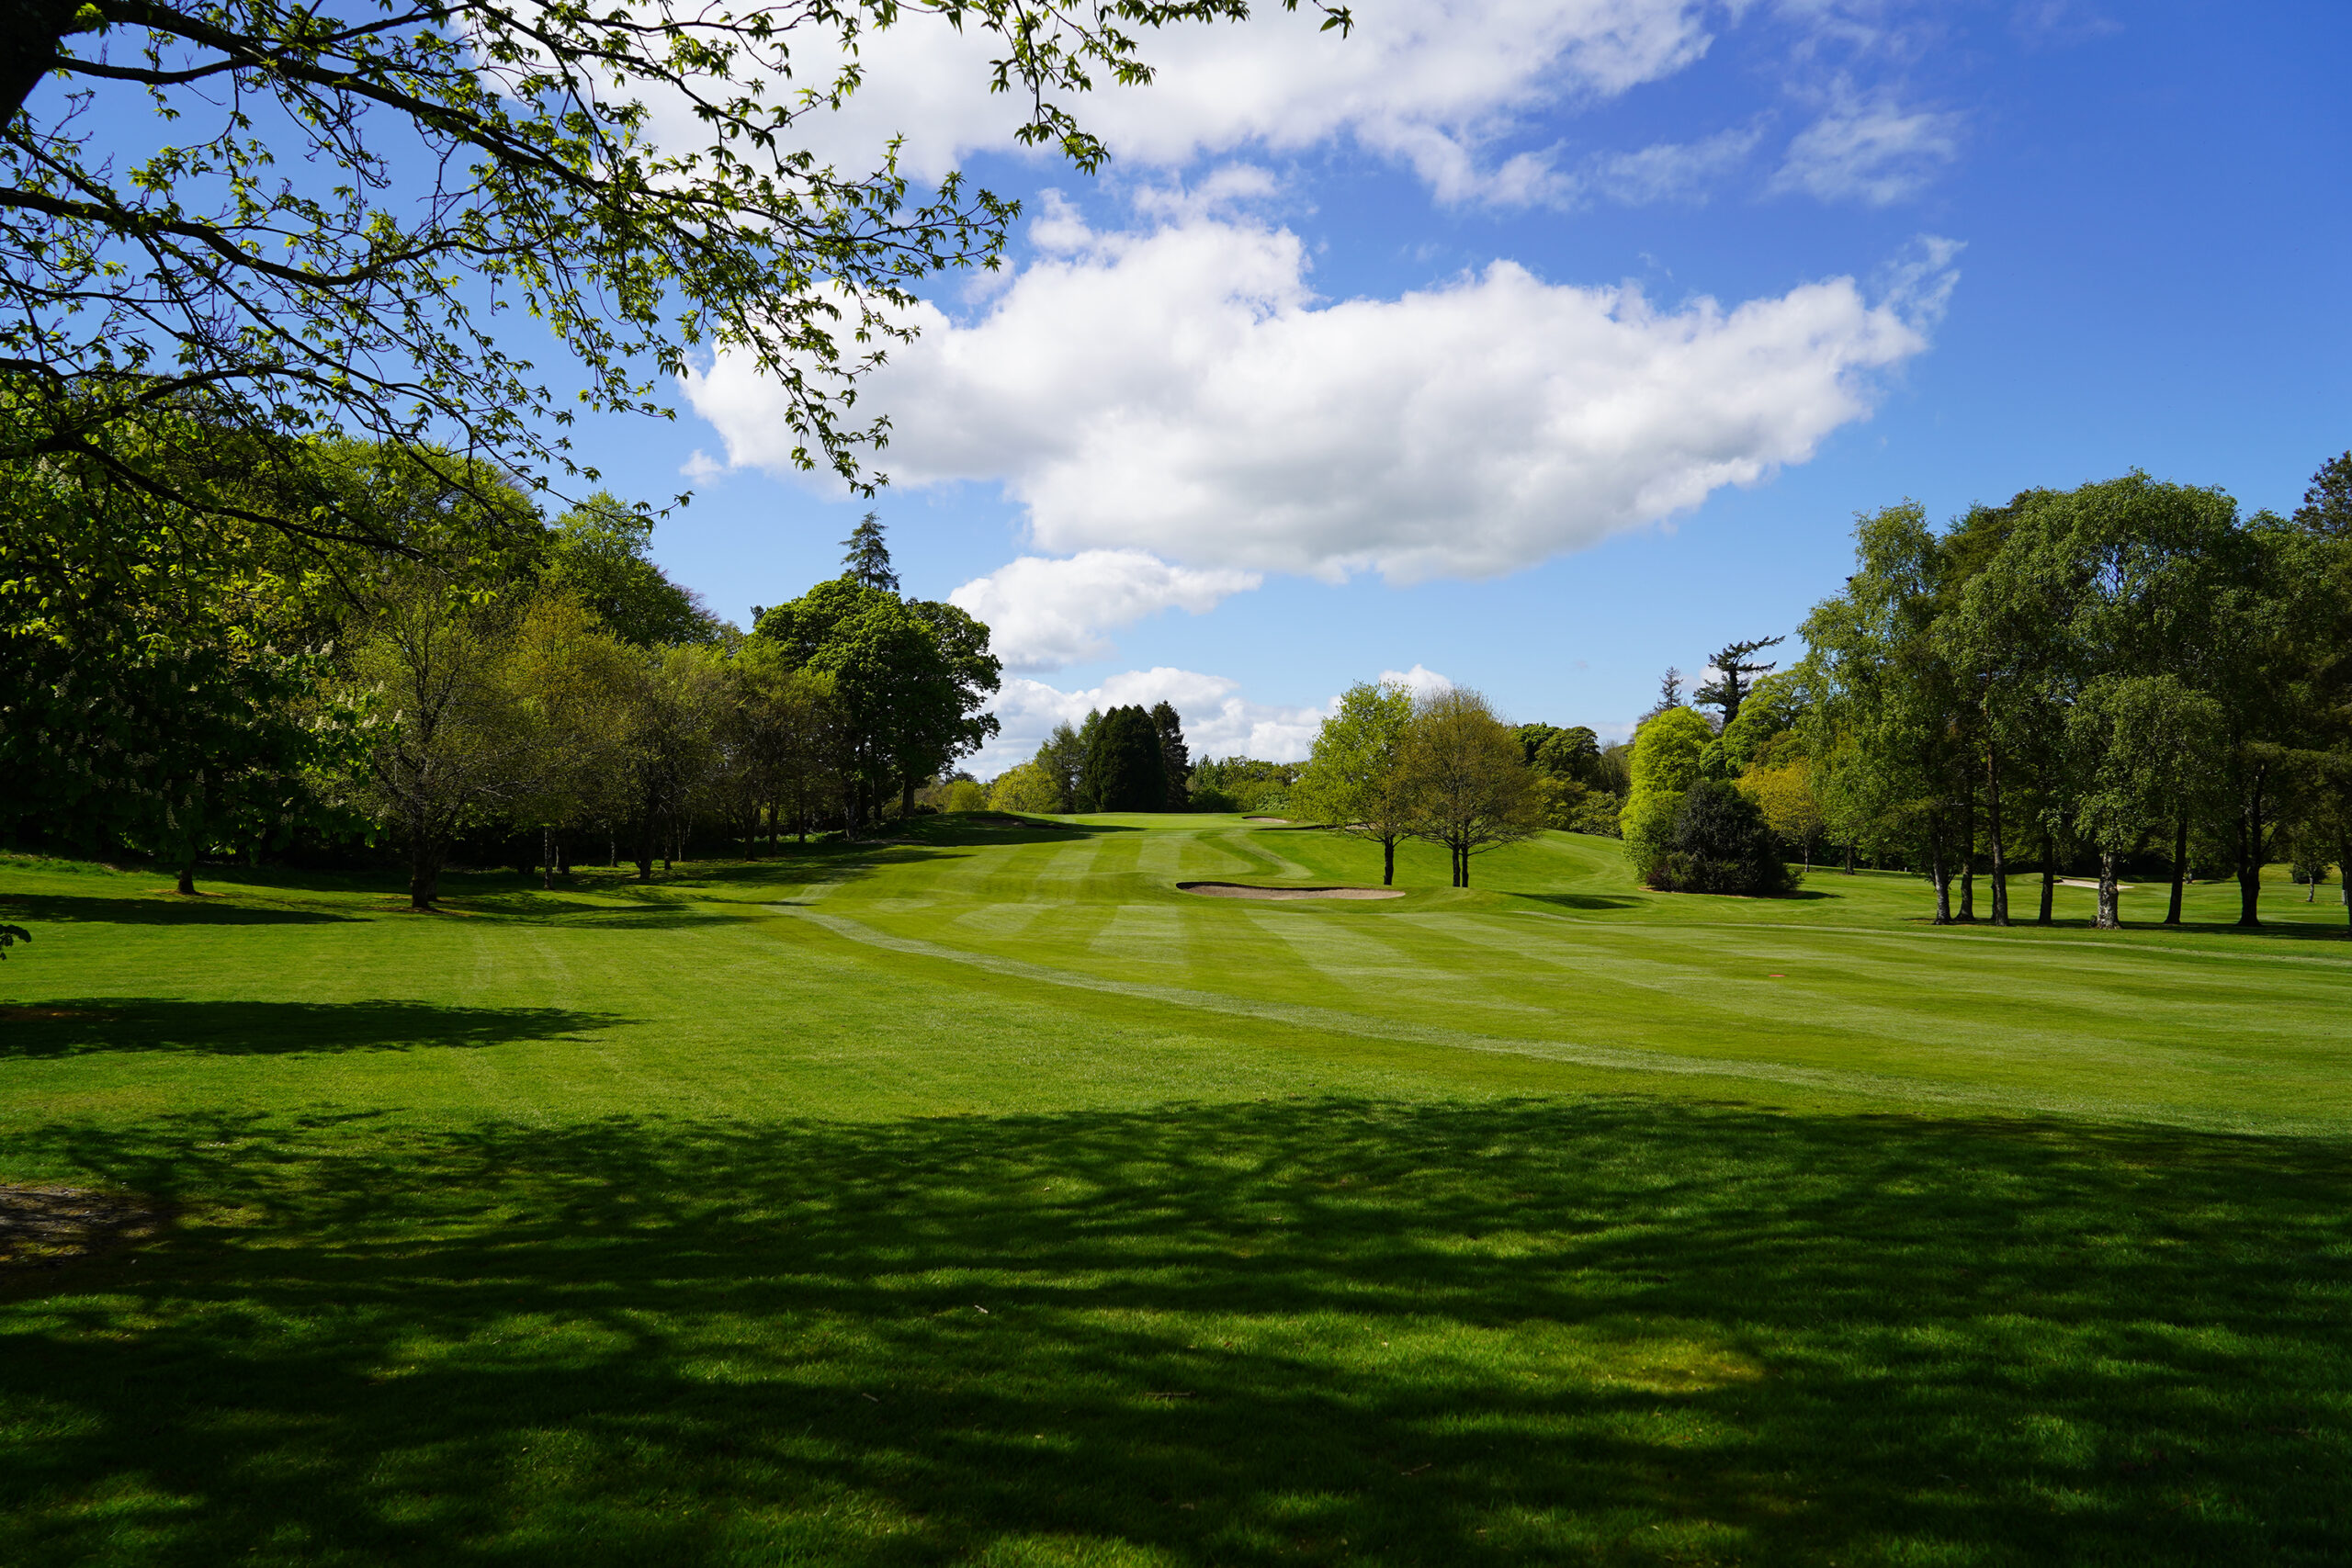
[2180, 866]
[1388, 863]
[1992, 843]
[1851, 848]
[906, 798]
[2344, 875]
[1968, 853]
[547, 858]
[424, 869]
[187, 876]
[1462, 859]
[2109, 917]
[1940, 872]
[2250, 855]
[2049, 876]
[775, 827]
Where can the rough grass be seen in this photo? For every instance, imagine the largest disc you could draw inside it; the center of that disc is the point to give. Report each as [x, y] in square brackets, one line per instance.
[984, 1200]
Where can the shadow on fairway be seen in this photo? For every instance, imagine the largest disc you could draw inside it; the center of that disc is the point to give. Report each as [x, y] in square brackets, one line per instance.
[1577, 900]
[1606, 1330]
[166, 909]
[73, 1028]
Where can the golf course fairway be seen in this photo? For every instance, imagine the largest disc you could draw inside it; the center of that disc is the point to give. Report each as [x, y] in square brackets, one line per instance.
[981, 1197]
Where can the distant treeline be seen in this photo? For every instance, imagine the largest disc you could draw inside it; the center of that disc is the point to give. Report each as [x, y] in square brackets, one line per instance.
[432, 665]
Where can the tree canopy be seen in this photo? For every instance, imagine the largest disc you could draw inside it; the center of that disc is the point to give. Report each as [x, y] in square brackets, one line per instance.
[355, 199]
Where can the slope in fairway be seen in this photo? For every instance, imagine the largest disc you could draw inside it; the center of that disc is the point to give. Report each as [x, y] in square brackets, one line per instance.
[984, 1198]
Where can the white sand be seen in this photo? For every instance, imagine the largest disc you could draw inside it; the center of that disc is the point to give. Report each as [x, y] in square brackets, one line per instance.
[2078, 882]
[1235, 890]
[1270, 821]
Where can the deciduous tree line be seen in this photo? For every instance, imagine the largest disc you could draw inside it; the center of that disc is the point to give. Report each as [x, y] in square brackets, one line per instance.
[2129, 673]
[180, 686]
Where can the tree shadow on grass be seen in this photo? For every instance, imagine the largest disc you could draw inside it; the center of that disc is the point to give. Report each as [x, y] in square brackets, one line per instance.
[1579, 900]
[1602, 1331]
[118, 1024]
[1607, 1331]
[163, 910]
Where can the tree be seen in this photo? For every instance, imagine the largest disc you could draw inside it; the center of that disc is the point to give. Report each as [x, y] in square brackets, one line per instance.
[1352, 780]
[867, 564]
[1461, 773]
[1029, 788]
[1721, 843]
[911, 678]
[572, 682]
[2147, 737]
[1892, 738]
[1175, 756]
[1666, 750]
[2327, 503]
[1062, 758]
[1791, 808]
[362, 193]
[597, 554]
[1124, 766]
[449, 746]
[1573, 753]
[1732, 667]
[1669, 695]
[158, 681]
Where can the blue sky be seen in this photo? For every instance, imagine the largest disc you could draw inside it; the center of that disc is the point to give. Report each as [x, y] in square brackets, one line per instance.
[1544, 344]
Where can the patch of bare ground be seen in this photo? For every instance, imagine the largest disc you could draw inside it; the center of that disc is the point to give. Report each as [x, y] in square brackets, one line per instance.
[1239, 890]
[49, 1227]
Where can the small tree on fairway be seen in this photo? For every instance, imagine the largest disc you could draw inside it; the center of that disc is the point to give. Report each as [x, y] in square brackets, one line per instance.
[1463, 778]
[1350, 781]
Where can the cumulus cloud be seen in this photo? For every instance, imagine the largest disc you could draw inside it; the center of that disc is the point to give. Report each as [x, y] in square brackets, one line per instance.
[1218, 722]
[1430, 83]
[1043, 613]
[1869, 150]
[1182, 392]
[1420, 679]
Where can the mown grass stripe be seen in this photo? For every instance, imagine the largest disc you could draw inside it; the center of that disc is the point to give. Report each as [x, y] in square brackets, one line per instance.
[1916, 1091]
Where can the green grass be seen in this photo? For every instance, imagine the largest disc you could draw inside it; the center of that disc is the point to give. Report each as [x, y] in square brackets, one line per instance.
[982, 1199]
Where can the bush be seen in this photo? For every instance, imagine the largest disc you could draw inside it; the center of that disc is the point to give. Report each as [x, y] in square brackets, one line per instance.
[1721, 843]
[1208, 797]
[1666, 763]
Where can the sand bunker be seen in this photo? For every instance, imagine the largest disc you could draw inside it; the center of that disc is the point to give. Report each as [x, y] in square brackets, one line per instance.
[1273, 821]
[1235, 890]
[2078, 882]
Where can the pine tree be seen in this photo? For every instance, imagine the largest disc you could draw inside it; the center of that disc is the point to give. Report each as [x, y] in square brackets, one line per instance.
[869, 561]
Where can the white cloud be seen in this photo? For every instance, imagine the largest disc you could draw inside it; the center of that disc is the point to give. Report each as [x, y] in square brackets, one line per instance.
[1043, 613]
[1218, 722]
[1429, 82]
[1870, 151]
[1183, 392]
[1420, 679]
[700, 468]
[1667, 171]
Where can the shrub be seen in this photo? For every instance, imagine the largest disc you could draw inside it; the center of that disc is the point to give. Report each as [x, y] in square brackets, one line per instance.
[1721, 843]
[1666, 763]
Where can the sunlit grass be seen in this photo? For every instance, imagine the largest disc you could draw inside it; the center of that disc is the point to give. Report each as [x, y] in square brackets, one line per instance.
[986, 1200]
